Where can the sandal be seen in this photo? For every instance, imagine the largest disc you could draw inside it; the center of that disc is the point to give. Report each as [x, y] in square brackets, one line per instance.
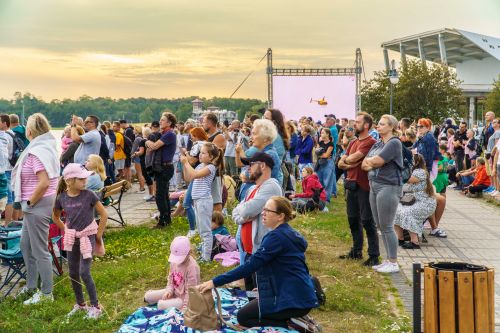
[410, 246]
[438, 233]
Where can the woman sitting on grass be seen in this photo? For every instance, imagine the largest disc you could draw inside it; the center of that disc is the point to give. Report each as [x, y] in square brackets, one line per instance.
[310, 185]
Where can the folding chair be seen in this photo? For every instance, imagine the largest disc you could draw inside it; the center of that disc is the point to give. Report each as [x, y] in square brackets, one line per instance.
[12, 258]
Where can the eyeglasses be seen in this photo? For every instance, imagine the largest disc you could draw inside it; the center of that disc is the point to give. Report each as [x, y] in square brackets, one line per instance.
[420, 126]
[265, 210]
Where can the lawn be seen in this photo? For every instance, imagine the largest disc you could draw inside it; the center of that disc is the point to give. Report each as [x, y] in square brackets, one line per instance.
[358, 299]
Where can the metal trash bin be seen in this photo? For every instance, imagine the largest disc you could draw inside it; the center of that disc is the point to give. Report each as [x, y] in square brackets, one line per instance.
[458, 297]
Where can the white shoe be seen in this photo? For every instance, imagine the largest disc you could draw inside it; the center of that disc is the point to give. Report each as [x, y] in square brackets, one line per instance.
[325, 209]
[94, 312]
[494, 193]
[376, 267]
[139, 191]
[39, 297]
[25, 291]
[390, 267]
[147, 197]
[191, 233]
[76, 308]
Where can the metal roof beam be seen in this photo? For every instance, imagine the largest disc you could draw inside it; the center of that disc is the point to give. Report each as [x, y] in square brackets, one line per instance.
[421, 51]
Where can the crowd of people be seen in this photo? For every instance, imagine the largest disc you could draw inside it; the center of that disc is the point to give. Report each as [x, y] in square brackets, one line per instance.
[395, 175]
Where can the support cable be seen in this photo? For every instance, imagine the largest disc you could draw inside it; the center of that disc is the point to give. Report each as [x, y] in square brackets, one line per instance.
[248, 75]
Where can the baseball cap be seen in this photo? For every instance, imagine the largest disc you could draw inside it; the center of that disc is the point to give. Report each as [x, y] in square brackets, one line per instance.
[155, 123]
[259, 157]
[75, 170]
[331, 115]
[179, 249]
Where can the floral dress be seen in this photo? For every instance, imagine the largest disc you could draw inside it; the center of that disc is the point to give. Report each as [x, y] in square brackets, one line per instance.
[412, 217]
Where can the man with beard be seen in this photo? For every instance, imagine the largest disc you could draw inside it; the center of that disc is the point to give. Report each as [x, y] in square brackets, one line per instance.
[359, 213]
[248, 213]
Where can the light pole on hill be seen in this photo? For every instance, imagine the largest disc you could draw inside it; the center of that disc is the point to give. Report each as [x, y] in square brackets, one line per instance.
[394, 79]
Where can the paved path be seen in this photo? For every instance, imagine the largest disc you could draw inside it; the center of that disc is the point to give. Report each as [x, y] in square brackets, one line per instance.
[473, 229]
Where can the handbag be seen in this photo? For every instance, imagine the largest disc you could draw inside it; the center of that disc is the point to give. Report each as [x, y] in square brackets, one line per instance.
[407, 199]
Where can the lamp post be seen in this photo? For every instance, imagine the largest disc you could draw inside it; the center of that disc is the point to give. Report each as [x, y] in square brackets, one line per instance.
[394, 79]
[22, 113]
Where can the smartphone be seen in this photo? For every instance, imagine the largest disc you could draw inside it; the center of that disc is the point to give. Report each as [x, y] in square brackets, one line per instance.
[252, 294]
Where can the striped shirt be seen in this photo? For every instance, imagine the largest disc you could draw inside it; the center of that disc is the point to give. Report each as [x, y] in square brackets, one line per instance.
[29, 179]
[202, 187]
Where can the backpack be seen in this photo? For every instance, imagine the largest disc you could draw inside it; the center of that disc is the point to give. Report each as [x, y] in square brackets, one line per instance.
[18, 147]
[127, 146]
[407, 164]
[103, 150]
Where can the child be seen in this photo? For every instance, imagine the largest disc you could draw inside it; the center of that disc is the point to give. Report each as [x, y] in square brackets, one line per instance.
[441, 181]
[96, 180]
[210, 160]
[66, 139]
[218, 227]
[310, 183]
[82, 234]
[481, 181]
[184, 273]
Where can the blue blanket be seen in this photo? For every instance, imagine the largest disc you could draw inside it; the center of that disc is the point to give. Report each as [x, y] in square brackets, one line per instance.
[150, 319]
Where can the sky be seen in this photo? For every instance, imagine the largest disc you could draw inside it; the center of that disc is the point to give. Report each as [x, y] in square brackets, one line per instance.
[58, 49]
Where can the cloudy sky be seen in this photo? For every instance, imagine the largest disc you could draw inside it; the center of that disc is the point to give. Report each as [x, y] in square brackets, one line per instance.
[174, 48]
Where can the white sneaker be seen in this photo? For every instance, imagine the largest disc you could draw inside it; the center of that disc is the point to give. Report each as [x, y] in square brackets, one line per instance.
[494, 193]
[191, 233]
[39, 297]
[390, 267]
[76, 308]
[325, 209]
[376, 267]
[139, 191]
[147, 197]
[25, 291]
[94, 312]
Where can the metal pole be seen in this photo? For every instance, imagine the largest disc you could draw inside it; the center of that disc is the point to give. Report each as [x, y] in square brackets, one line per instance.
[390, 109]
[22, 114]
[417, 291]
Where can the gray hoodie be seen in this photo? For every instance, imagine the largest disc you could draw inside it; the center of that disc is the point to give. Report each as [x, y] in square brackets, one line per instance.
[251, 210]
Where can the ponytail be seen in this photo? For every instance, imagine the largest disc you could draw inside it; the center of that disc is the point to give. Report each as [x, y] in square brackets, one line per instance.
[217, 156]
[61, 186]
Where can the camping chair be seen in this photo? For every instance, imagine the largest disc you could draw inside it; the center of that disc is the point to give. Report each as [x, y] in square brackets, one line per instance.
[11, 257]
[107, 193]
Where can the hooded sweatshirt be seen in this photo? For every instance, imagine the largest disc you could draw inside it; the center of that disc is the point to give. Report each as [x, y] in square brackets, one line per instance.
[309, 184]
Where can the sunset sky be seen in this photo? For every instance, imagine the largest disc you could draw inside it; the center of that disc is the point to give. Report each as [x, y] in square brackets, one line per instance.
[173, 48]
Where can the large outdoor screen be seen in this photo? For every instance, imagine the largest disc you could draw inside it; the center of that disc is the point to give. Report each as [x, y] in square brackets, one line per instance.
[315, 96]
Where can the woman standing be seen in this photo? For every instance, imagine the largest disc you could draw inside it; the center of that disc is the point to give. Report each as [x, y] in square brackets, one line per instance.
[427, 146]
[305, 147]
[325, 164]
[285, 287]
[137, 159]
[384, 163]
[34, 179]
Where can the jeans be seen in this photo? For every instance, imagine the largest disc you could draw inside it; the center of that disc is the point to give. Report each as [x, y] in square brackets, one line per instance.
[204, 208]
[328, 178]
[188, 206]
[359, 215]
[384, 200]
[162, 201]
[110, 171]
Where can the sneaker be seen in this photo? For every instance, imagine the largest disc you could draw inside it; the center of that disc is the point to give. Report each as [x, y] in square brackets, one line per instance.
[494, 193]
[39, 297]
[325, 209]
[147, 197]
[139, 191]
[94, 312]
[76, 308]
[389, 267]
[489, 189]
[380, 265]
[25, 292]
[351, 255]
[151, 198]
[191, 233]
[438, 233]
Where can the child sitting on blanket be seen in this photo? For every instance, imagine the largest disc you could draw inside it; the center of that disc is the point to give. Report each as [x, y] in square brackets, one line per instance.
[217, 226]
[184, 273]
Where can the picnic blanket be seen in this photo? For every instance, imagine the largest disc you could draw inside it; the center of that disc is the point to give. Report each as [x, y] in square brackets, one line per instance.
[150, 319]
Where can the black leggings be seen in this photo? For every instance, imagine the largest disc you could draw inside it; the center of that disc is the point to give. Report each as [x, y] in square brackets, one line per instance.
[248, 316]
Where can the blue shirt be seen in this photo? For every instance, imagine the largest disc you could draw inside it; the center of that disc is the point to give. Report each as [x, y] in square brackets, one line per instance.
[169, 139]
[304, 149]
[335, 138]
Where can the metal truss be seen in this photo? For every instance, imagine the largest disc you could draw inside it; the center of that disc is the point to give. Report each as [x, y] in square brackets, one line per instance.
[315, 71]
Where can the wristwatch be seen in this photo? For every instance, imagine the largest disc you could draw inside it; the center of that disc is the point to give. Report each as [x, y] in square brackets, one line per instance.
[29, 203]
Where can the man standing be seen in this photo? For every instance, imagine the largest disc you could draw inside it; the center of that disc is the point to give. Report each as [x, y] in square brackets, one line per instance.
[232, 136]
[488, 129]
[167, 145]
[359, 212]
[20, 133]
[90, 142]
[8, 136]
[332, 183]
[128, 139]
[119, 150]
[459, 146]
[248, 213]
[214, 135]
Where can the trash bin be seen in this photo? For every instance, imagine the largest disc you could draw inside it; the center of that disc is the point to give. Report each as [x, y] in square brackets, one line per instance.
[458, 297]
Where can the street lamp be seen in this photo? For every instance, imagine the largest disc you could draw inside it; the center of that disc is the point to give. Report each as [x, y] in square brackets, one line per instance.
[394, 79]
[22, 113]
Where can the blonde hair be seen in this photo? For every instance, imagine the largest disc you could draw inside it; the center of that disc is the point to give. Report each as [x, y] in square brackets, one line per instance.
[265, 129]
[138, 129]
[38, 125]
[391, 121]
[146, 131]
[97, 165]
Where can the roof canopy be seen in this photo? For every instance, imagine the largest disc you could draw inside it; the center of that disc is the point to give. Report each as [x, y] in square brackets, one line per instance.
[446, 46]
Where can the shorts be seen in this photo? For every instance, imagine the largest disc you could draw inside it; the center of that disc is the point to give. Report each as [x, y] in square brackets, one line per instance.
[10, 193]
[217, 190]
[137, 160]
[3, 203]
[119, 164]
[128, 162]
[443, 191]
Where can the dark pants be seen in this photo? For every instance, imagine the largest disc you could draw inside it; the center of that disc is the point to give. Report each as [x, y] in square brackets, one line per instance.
[359, 215]
[80, 268]
[162, 200]
[145, 174]
[250, 280]
[459, 159]
[248, 316]
[477, 188]
[110, 171]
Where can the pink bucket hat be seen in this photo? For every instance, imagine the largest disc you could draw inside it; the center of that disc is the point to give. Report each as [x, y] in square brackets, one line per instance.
[75, 170]
[179, 249]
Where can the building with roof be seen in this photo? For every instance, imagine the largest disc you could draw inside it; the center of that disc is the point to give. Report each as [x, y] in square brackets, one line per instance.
[222, 115]
[475, 57]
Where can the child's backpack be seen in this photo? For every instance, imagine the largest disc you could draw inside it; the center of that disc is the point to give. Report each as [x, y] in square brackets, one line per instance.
[223, 243]
[18, 147]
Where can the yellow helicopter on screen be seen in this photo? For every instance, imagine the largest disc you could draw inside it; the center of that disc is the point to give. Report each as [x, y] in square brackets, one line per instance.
[320, 101]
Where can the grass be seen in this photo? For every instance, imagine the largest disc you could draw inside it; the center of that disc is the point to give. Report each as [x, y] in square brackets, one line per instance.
[358, 300]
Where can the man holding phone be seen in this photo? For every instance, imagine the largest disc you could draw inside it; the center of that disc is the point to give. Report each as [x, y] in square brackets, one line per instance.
[232, 139]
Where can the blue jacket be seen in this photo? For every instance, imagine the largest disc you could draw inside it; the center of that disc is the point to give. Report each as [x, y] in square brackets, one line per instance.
[283, 279]
[294, 138]
[304, 149]
[427, 146]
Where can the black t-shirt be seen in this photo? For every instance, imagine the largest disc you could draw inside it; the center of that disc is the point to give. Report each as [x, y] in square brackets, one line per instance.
[142, 144]
[462, 137]
[325, 147]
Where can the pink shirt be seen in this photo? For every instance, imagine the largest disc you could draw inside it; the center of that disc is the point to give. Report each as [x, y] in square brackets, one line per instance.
[29, 179]
[181, 277]
[451, 147]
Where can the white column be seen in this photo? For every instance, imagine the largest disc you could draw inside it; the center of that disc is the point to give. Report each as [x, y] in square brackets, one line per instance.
[472, 110]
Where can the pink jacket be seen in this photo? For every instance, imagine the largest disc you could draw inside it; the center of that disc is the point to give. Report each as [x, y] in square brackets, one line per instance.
[85, 245]
[181, 277]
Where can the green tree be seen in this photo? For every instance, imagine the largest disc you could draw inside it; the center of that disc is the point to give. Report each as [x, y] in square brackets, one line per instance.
[146, 116]
[493, 98]
[423, 91]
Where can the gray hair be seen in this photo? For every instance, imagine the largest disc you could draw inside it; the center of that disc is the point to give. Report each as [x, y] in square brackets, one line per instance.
[37, 124]
[265, 129]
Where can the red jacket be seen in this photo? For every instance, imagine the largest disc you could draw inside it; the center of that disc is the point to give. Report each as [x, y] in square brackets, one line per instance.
[481, 177]
[308, 184]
